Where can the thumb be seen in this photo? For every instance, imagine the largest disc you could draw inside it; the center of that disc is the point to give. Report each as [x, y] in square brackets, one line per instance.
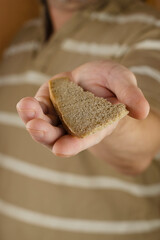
[122, 82]
[135, 101]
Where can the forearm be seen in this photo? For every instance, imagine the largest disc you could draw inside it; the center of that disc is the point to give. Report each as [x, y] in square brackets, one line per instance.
[131, 147]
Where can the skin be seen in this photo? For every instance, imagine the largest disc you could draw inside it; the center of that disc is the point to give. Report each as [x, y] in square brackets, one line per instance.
[128, 145]
[61, 11]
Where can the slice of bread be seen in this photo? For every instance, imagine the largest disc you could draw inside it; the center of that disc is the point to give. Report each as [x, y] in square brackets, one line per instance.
[80, 111]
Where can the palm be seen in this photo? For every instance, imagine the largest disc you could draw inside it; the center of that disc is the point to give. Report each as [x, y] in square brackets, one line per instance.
[97, 77]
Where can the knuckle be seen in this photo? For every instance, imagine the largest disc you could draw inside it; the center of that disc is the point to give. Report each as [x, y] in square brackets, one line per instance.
[125, 93]
[141, 167]
[131, 77]
[144, 165]
[117, 69]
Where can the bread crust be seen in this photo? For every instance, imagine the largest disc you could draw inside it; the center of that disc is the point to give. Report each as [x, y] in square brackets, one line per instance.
[53, 99]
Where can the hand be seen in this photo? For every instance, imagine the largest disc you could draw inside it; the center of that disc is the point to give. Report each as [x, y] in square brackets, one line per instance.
[105, 79]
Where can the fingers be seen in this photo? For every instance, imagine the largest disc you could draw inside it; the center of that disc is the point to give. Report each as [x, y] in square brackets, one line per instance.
[69, 145]
[135, 102]
[42, 96]
[43, 132]
[29, 108]
[37, 123]
[123, 83]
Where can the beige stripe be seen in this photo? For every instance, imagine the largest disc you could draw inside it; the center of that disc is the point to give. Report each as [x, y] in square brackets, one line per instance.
[21, 48]
[73, 180]
[146, 71]
[125, 19]
[29, 77]
[12, 119]
[77, 225]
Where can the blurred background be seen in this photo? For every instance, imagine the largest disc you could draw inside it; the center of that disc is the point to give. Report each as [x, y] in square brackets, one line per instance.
[13, 14]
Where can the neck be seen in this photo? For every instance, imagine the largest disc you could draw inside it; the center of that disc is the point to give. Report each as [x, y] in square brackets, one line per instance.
[59, 16]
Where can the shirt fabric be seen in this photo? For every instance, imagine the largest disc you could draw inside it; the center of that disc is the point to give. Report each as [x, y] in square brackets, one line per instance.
[81, 197]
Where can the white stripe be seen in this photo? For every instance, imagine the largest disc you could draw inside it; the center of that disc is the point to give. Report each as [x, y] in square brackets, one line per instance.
[122, 19]
[148, 44]
[86, 48]
[106, 49]
[147, 71]
[29, 77]
[75, 180]
[78, 225]
[22, 47]
[33, 23]
[94, 48]
[12, 119]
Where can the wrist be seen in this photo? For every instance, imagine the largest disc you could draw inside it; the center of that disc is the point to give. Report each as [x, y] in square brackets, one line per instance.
[125, 149]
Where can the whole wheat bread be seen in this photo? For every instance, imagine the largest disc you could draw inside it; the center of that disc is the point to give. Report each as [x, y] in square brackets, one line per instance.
[80, 111]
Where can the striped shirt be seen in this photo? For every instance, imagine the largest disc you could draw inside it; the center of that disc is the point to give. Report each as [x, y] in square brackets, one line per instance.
[82, 197]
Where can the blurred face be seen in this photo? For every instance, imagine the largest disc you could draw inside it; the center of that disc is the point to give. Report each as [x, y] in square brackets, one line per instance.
[70, 4]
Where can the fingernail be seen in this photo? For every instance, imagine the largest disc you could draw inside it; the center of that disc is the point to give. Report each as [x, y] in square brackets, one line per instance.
[62, 155]
[36, 133]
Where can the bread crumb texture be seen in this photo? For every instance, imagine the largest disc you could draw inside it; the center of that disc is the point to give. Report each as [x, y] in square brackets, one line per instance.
[80, 111]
